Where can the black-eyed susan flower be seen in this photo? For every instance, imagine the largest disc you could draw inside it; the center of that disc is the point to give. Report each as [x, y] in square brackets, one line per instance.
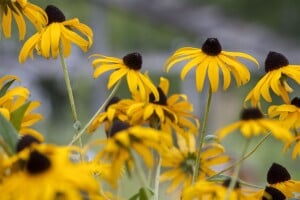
[59, 32]
[169, 112]
[113, 111]
[48, 172]
[253, 123]
[129, 66]
[278, 177]
[17, 9]
[13, 101]
[210, 60]
[278, 71]
[204, 190]
[289, 114]
[119, 148]
[179, 162]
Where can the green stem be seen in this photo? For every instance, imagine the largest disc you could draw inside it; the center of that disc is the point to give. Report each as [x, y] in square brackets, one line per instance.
[140, 174]
[236, 172]
[69, 89]
[82, 131]
[242, 159]
[202, 135]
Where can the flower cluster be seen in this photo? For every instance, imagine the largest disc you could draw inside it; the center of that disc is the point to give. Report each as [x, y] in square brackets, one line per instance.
[152, 132]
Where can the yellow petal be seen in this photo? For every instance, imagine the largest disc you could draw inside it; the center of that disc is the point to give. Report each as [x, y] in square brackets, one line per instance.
[213, 75]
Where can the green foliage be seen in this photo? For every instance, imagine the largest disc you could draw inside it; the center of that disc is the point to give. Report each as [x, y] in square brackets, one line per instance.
[8, 134]
[142, 194]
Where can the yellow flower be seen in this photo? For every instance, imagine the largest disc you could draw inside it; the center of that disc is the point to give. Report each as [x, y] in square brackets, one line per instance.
[120, 147]
[179, 162]
[289, 114]
[278, 70]
[16, 9]
[173, 112]
[58, 32]
[130, 67]
[252, 124]
[204, 190]
[114, 110]
[209, 60]
[48, 173]
[278, 177]
[14, 99]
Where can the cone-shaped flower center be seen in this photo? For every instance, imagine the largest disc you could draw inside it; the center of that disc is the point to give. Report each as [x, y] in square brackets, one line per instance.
[273, 193]
[251, 113]
[274, 61]
[162, 98]
[296, 102]
[212, 47]
[133, 61]
[37, 163]
[277, 174]
[54, 14]
[116, 127]
[226, 183]
[26, 141]
[113, 100]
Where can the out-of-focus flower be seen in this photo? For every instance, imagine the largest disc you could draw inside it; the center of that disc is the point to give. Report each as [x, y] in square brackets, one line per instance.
[48, 172]
[210, 59]
[252, 124]
[179, 162]
[17, 9]
[129, 66]
[278, 70]
[58, 32]
[120, 147]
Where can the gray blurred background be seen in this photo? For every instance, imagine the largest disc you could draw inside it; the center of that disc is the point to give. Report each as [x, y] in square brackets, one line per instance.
[156, 28]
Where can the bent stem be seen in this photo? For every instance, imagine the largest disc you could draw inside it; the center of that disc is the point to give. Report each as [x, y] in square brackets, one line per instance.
[236, 172]
[202, 135]
[241, 159]
[82, 131]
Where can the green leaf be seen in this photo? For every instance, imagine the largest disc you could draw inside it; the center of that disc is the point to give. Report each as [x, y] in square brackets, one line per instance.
[142, 194]
[17, 116]
[5, 87]
[9, 134]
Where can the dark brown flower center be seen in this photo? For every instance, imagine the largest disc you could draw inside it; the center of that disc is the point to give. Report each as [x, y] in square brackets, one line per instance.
[274, 61]
[162, 98]
[54, 14]
[37, 163]
[212, 47]
[116, 127]
[273, 194]
[226, 183]
[296, 102]
[277, 174]
[251, 113]
[133, 61]
[26, 141]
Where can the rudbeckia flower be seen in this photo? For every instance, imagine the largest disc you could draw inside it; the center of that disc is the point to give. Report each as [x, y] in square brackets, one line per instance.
[48, 172]
[113, 111]
[278, 177]
[179, 162]
[125, 141]
[58, 32]
[128, 67]
[17, 9]
[211, 59]
[252, 124]
[12, 101]
[204, 190]
[278, 71]
[289, 114]
[169, 112]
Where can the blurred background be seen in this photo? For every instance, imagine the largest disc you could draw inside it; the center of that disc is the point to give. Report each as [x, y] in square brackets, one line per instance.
[156, 28]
